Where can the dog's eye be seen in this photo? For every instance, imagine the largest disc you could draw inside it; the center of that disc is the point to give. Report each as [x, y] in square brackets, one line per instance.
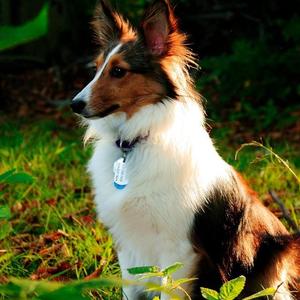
[117, 72]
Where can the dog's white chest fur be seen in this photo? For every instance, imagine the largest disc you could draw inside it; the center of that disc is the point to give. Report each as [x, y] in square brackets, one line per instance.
[151, 204]
[169, 175]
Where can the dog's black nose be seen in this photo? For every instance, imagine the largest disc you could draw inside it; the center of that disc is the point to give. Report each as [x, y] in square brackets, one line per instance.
[78, 105]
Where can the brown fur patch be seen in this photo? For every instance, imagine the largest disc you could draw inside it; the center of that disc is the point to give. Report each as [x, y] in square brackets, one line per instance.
[265, 239]
[128, 34]
[130, 92]
[292, 262]
[259, 221]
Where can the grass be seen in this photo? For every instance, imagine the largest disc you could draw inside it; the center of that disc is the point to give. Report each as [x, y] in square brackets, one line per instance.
[52, 231]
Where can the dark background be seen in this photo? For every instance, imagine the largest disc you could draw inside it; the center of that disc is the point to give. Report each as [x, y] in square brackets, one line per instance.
[249, 53]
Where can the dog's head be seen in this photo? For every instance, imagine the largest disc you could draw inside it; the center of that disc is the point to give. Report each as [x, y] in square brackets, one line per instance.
[133, 66]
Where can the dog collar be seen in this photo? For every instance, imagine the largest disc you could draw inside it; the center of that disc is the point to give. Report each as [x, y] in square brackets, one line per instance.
[127, 146]
[120, 165]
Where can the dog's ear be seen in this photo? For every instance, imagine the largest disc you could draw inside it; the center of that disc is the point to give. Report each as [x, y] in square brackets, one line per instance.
[105, 23]
[158, 24]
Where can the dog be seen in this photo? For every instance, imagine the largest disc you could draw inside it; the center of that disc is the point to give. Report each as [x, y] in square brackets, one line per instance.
[161, 188]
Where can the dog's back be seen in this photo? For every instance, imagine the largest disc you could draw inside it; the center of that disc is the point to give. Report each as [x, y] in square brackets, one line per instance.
[160, 186]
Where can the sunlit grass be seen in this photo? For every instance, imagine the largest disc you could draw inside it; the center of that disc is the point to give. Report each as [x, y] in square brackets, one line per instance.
[54, 230]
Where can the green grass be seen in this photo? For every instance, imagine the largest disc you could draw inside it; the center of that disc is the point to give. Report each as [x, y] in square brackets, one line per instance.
[52, 230]
[54, 233]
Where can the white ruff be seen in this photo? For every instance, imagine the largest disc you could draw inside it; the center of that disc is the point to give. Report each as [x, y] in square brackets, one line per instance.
[169, 176]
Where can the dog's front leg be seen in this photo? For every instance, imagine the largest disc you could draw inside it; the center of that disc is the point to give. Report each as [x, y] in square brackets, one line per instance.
[187, 257]
[127, 260]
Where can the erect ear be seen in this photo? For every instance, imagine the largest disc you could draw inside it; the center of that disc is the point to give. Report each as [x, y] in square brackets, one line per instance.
[105, 24]
[157, 24]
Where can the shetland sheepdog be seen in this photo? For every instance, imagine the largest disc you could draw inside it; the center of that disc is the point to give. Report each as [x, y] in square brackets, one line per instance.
[161, 188]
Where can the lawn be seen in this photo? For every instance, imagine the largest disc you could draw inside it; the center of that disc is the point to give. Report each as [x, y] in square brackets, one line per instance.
[48, 227]
[53, 230]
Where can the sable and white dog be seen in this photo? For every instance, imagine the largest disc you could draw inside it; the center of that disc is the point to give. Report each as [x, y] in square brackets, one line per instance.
[161, 188]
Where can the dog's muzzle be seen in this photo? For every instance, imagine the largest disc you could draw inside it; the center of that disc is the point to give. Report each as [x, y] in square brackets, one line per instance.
[78, 106]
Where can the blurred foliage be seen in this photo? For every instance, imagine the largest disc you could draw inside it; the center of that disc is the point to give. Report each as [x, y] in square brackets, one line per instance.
[256, 73]
[11, 36]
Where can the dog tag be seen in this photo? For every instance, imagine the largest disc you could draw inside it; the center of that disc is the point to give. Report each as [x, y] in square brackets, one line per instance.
[120, 178]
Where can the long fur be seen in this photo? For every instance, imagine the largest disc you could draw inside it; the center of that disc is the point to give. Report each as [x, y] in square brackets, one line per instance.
[183, 202]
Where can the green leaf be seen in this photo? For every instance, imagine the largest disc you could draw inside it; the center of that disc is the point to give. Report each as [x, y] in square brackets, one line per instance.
[209, 294]
[43, 290]
[6, 174]
[62, 294]
[266, 292]
[97, 283]
[182, 281]
[150, 275]
[20, 288]
[172, 269]
[143, 270]
[75, 290]
[4, 213]
[231, 289]
[11, 36]
[10, 290]
[20, 177]
[5, 229]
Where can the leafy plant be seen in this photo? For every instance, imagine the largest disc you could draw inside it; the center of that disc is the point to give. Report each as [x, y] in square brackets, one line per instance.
[8, 178]
[42, 290]
[169, 285]
[11, 36]
[256, 79]
[13, 177]
[5, 226]
[230, 290]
